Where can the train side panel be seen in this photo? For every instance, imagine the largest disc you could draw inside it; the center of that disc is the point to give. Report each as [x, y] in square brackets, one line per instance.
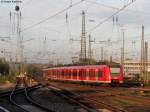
[97, 73]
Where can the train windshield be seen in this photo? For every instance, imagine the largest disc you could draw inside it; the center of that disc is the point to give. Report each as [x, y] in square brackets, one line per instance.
[114, 71]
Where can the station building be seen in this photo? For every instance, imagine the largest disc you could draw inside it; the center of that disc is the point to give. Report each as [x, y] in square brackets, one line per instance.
[133, 67]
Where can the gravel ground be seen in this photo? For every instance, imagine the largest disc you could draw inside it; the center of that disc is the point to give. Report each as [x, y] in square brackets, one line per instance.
[136, 108]
[6, 104]
[56, 103]
[116, 96]
[21, 100]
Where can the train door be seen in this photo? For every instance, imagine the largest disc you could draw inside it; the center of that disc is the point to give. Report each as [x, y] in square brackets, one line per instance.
[80, 74]
[92, 74]
[58, 74]
[65, 74]
[87, 74]
[54, 74]
[74, 75]
[48, 75]
[98, 74]
[69, 74]
[62, 74]
[84, 74]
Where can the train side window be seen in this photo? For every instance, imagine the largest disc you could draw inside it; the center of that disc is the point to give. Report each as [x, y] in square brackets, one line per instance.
[90, 73]
[87, 73]
[93, 73]
[65, 73]
[54, 73]
[84, 73]
[62, 73]
[80, 72]
[70, 72]
[57, 73]
[75, 73]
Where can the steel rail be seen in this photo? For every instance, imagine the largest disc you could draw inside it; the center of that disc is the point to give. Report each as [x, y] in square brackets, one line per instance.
[13, 102]
[75, 96]
[2, 109]
[81, 104]
[26, 92]
[34, 102]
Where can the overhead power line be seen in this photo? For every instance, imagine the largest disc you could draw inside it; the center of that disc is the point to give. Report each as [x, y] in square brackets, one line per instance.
[52, 16]
[102, 22]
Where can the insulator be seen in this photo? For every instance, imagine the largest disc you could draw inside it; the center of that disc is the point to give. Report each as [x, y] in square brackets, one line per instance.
[116, 19]
[113, 20]
[17, 8]
[66, 17]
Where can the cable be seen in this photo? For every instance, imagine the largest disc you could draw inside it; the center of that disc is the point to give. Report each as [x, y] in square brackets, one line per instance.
[116, 8]
[108, 6]
[50, 17]
[92, 29]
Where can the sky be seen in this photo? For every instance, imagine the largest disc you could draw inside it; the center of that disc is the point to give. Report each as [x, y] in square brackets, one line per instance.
[49, 40]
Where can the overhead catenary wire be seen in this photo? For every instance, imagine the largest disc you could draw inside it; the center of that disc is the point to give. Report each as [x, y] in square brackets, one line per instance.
[117, 8]
[105, 20]
[52, 16]
[104, 5]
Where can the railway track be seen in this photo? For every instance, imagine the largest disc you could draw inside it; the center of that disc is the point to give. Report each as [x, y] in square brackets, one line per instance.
[88, 104]
[72, 99]
[21, 99]
[2, 109]
[27, 94]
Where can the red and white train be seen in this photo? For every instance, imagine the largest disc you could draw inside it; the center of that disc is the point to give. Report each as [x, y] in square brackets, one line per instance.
[90, 73]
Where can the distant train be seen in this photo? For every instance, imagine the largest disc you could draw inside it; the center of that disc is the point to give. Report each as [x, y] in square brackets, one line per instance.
[111, 74]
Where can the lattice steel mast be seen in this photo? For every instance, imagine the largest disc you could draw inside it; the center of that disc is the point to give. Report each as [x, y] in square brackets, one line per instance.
[142, 53]
[83, 40]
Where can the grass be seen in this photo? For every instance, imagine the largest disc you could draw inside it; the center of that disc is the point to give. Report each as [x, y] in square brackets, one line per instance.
[124, 102]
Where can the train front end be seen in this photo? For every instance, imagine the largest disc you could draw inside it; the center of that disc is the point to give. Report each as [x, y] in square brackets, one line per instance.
[116, 73]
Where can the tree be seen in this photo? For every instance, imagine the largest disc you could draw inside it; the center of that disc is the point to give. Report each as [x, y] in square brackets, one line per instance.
[4, 67]
[33, 70]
